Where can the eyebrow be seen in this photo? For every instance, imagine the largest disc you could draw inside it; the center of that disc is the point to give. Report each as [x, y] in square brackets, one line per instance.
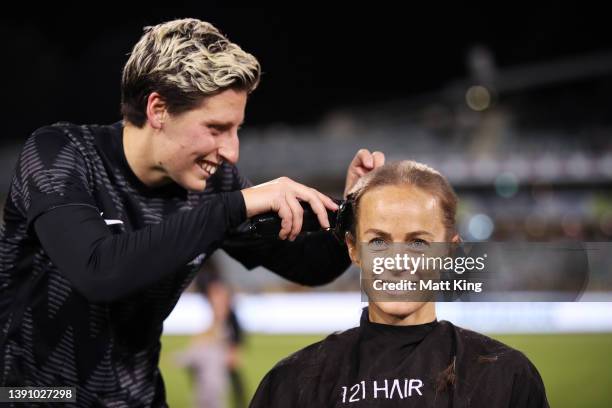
[222, 124]
[410, 234]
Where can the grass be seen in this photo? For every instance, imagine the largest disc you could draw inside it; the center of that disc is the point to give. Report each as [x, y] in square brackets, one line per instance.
[576, 368]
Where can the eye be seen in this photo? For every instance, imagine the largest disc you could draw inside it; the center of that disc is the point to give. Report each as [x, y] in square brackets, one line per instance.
[215, 130]
[377, 244]
[418, 244]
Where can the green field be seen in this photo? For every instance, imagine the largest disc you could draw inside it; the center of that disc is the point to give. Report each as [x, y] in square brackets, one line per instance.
[576, 368]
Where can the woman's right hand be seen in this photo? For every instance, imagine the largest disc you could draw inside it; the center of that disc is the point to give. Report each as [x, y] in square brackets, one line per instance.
[282, 196]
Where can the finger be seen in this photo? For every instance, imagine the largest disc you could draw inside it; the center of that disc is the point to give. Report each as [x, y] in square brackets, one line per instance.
[364, 158]
[317, 206]
[379, 159]
[284, 212]
[297, 216]
[360, 171]
[327, 202]
[311, 196]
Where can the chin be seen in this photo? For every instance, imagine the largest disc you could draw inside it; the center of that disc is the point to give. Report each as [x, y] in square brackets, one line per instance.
[193, 184]
[197, 188]
[193, 187]
[399, 310]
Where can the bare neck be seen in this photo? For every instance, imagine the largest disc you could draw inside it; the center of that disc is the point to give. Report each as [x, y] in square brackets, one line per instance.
[140, 154]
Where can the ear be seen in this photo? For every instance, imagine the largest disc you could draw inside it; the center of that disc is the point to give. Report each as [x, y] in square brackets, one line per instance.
[352, 249]
[156, 110]
[453, 244]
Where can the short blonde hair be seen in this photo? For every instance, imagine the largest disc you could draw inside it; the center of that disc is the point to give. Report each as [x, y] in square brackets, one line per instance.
[184, 61]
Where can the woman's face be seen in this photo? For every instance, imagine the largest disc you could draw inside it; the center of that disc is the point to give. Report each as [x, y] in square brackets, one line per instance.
[193, 144]
[397, 215]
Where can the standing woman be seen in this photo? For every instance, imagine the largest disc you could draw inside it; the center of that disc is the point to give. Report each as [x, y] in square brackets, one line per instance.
[401, 355]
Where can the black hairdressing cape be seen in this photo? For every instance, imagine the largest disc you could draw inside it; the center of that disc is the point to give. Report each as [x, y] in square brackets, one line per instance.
[431, 365]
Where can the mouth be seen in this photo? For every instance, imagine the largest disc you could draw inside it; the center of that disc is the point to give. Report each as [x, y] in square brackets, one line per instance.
[208, 166]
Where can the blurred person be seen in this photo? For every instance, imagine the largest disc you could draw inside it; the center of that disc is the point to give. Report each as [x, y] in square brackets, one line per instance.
[213, 354]
[401, 355]
[206, 361]
[224, 314]
[224, 337]
[104, 226]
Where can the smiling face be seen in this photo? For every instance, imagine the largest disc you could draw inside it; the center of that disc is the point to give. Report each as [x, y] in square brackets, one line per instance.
[397, 214]
[189, 147]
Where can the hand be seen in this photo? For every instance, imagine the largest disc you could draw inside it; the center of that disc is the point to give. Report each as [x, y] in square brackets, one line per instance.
[363, 163]
[281, 196]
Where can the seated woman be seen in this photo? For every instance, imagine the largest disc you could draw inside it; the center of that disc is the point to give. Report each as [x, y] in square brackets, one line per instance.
[401, 355]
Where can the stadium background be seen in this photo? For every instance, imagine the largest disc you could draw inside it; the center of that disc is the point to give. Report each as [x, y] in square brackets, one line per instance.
[513, 105]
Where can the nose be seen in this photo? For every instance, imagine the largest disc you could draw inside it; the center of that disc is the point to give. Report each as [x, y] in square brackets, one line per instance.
[229, 147]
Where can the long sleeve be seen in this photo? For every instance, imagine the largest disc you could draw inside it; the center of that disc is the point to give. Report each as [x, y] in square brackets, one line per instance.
[104, 267]
[315, 259]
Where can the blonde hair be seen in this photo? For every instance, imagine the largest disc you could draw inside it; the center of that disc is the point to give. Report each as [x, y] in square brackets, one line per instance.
[184, 61]
[408, 172]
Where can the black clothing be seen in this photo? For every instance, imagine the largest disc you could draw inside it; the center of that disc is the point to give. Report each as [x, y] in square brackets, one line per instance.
[376, 365]
[92, 261]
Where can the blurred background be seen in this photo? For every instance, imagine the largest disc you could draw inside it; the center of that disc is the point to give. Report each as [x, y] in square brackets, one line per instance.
[512, 105]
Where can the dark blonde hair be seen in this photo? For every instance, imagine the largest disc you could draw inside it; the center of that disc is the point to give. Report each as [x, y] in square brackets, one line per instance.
[409, 173]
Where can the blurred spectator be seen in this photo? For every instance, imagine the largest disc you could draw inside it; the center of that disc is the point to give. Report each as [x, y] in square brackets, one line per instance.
[214, 357]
